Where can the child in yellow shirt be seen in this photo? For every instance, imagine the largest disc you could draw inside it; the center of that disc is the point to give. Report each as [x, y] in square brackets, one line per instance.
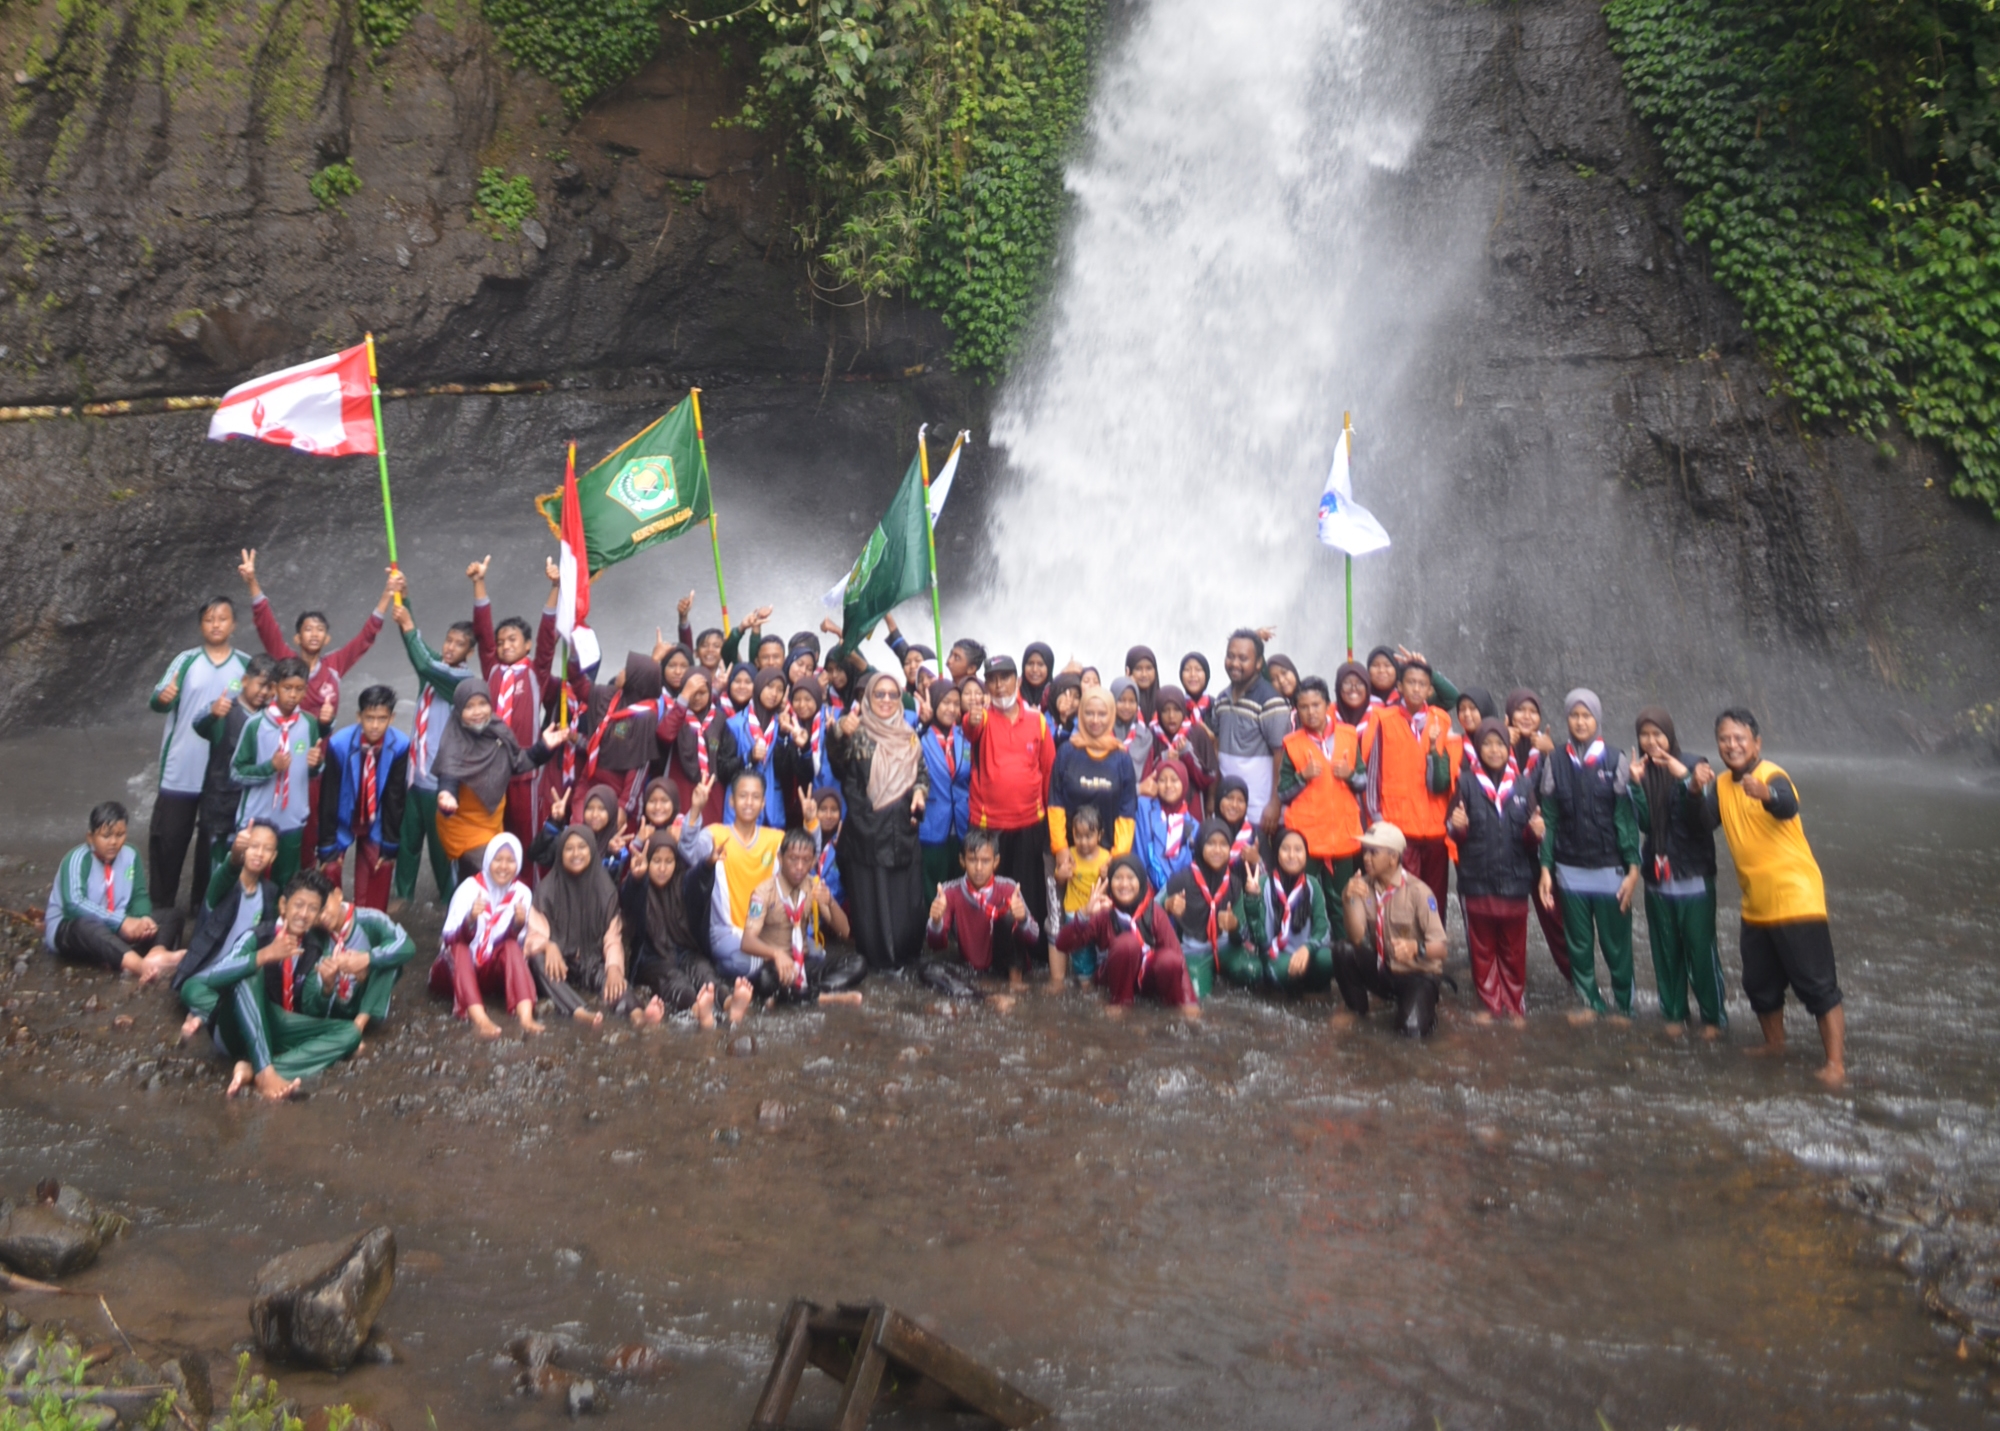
[1088, 862]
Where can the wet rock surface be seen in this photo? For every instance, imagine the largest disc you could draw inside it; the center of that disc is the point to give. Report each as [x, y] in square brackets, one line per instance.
[56, 1233]
[316, 1305]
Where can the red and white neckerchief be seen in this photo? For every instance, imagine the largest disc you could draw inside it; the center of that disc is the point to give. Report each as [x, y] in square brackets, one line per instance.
[1198, 707]
[613, 713]
[1281, 937]
[283, 726]
[1382, 920]
[1327, 739]
[1179, 826]
[514, 680]
[795, 912]
[496, 918]
[420, 755]
[288, 970]
[1132, 732]
[111, 886]
[1240, 841]
[1175, 744]
[1590, 759]
[1506, 787]
[343, 984]
[816, 736]
[991, 901]
[369, 802]
[699, 724]
[949, 752]
[1213, 901]
[1376, 702]
[1531, 764]
[730, 710]
[825, 860]
[1136, 922]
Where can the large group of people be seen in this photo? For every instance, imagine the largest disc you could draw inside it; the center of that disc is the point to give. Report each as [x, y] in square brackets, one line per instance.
[736, 818]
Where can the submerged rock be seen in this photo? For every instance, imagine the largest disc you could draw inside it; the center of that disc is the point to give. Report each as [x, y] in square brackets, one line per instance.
[1968, 1293]
[59, 1233]
[316, 1305]
[188, 1376]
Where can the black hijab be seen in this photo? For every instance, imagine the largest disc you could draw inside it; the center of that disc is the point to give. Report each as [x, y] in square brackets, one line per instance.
[1148, 695]
[578, 907]
[482, 760]
[1340, 711]
[1033, 691]
[632, 742]
[1659, 782]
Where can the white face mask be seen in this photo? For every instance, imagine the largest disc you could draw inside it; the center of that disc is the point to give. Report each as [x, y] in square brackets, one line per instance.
[476, 726]
[1007, 702]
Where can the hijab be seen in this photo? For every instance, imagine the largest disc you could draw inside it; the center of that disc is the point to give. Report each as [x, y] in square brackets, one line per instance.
[1341, 712]
[1242, 832]
[1481, 698]
[770, 676]
[1208, 675]
[1524, 746]
[578, 907]
[667, 928]
[1063, 726]
[1147, 694]
[1130, 862]
[720, 696]
[1030, 691]
[898, 758]
[1101, 747]
[1389, 696]
[506, 905]
[607, 796]
[661, 783]
[630, 742]
[692, 666]
[1659, 782]
[481, 760]
[1283, 663]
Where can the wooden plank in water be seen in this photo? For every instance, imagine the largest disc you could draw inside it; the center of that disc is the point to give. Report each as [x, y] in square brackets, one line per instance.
[977, 1387]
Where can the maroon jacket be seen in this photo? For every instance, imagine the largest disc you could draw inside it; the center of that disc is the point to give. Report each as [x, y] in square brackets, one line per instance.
[979, 918]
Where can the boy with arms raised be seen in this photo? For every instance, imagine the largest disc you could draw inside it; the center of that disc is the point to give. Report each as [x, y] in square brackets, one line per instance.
[438, 675]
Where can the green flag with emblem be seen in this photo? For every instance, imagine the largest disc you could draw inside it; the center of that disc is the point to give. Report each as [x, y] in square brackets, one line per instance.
[651, 490]
[895, 565]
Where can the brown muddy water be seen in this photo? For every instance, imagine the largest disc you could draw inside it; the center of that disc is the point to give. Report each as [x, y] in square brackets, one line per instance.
[1251, 1222]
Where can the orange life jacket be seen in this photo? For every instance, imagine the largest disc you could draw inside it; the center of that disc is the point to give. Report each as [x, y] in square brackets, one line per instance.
[1325, 811]
[1395, 755]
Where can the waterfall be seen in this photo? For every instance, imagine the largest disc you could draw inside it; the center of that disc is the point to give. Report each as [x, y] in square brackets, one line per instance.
[1241, 267]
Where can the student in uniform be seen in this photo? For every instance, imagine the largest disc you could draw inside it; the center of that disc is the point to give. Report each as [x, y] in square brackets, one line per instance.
[662, 953]
[1142, 951]
[1038, 668]
[581, 950]
[352, 960]
[196, 681]
[240, 898]
[1412, 759]
[484, 946]
[1532, 745]
[1195, 681]
[516, 670]
[1142, 668]
[1497, 825]
[984, 915]
[1165, 824]
[757, 734]
[1175, 737]
[99, 914]
[1590, 854]
[1787, 943]
[221, 725]
[324, 669]
[1205, 902]
[1317, 770]
[1677, 860]
[479, 767]
[948, 801]
[275, 765]
[438, 675]
[1285, 925]
[744, 853]
[362, 791]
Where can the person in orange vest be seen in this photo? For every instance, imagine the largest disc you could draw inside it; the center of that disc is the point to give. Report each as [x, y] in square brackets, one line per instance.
[1317, 767]
[1786, 940]
[1412, 758]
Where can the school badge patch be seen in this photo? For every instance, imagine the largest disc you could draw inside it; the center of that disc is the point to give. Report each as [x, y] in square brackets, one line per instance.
[645, 486]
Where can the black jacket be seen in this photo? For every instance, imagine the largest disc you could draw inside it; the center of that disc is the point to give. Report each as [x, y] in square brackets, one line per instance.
[870, 838]
[1496, 854]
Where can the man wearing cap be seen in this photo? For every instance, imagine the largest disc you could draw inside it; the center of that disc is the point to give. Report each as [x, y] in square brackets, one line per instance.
[1013, 753]
[1590, 854]
[1395, 940]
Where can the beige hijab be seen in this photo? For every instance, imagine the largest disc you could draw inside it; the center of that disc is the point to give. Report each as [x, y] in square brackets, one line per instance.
[892, 772]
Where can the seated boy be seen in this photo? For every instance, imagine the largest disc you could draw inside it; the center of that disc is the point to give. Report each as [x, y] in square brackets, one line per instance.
[789, 914]
[99, 913]
[352, 959]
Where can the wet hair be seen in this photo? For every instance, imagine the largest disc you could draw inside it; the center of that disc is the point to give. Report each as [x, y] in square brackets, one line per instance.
[289, 668]
[1314, 683]
[1244, 633]
[1415, 663]
[313, 880]
[1741, 715]
[798, 839]
[973, 652]
[708, 631]
[259, 668]
[465, 629]
[514, 623]
[213, 602]
[108, 813]
[305, 616]
[977, 839]
[741, 776]
[377, 698]
[1086, 818]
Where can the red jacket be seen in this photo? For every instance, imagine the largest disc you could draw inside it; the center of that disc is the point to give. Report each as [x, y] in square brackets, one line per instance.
[1011, 762]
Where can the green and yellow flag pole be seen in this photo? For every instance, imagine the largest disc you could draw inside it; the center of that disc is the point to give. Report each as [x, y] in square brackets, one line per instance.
[1347, 437]
[382, 454]
[714, 533]
[930, 539]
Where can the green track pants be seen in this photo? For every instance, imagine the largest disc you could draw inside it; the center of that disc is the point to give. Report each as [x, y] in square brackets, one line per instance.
[1581, 913]
[420, 832]
[1681, 929]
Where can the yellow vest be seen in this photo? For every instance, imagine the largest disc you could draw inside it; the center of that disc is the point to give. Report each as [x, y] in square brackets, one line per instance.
[1774, 864]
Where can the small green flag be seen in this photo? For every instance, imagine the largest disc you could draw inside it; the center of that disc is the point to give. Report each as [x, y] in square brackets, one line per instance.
[649, 491]
[896, 563]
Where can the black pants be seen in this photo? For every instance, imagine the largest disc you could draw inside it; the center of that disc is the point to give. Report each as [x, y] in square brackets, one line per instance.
[175, 823]
[580, 983]
[888, 912]
[678, 979]
[1415, 995]
[97, 945]
[1021, 856]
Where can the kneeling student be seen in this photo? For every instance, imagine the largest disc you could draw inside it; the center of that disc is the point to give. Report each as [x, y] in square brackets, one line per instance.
[1284, 915]
[1142, 953]
[1395, 941]
[99, 913]
[789, 914]
[1205, 901]
[984, 916]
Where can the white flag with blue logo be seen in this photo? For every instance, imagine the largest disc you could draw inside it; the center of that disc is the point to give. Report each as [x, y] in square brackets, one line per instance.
[1344, 524]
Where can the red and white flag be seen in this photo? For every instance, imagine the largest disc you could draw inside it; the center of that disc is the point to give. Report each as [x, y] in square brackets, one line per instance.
[322, 407]
[573, 593]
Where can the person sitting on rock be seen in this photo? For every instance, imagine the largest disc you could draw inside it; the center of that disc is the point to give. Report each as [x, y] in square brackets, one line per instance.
[99, 914]
[486, 930]
[253, 996]
[790, 914]
[354, 955]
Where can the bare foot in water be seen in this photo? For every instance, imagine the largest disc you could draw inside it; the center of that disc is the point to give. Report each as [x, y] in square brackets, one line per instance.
[1710, 1032]
[1765, 1050]
[1114, 1011]
[526, 1017]
[1675, 1030]
[1620, 1021]
[589, 1018]
[161, 960]
[739, 1001]
[1580, 1017]
[1191, 1012]
[1833, 1075]
[1344, 1019]
[651, 1015]
[273, 1087]
[190, 1026]
[482, 1023]
[704, 1006]
[1003, 1002]
[238, 1076]
[1483, 1019]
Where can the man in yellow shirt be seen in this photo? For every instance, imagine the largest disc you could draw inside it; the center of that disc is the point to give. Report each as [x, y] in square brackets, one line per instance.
[1786, 941]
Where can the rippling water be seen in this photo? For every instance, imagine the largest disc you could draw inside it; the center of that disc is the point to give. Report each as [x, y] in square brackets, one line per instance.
[1254, 1222]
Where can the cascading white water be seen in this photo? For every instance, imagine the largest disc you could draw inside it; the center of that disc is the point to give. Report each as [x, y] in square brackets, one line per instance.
[1239, 271]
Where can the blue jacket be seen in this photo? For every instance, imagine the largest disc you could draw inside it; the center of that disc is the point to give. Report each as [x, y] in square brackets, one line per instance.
[340, 788]
[1149, 842]
[746, 735]
[948, 801]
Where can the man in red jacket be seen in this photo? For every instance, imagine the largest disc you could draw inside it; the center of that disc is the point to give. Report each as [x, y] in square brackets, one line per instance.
[1013, 753]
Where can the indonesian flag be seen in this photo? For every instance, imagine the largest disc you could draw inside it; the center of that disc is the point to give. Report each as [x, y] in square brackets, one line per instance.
[573, 596]
[321, 407]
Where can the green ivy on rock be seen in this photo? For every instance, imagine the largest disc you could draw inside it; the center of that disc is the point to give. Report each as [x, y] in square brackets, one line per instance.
[1842, 161]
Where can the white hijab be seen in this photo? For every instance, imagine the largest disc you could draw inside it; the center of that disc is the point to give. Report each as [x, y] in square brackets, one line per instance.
[505, 904]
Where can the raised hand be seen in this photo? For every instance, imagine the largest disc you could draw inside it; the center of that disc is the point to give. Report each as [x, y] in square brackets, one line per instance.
[554, 736]
[698, 800]
[660, 645]
[758, 618]
[476, 571]
[247, 567]
[1100, 898]
[808, 808]
[850, 722]
[1265, 633]
[939, 907]
[554, 571]
[830, 627]
[405, 622]
[684, 606]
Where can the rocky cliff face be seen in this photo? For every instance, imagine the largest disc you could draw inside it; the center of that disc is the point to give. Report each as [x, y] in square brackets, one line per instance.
[161, 239]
